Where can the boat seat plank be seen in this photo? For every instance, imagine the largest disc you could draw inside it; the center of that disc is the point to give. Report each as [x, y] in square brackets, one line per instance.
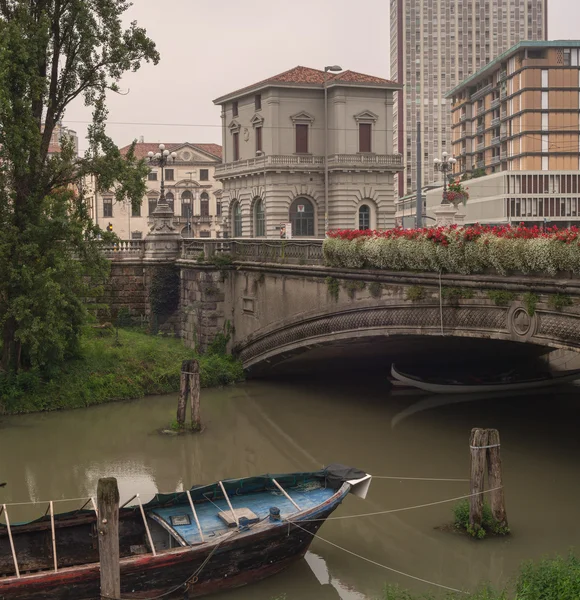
[258, 503]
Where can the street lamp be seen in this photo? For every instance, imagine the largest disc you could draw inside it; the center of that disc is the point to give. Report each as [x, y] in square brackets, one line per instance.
[333, 69]
[161, 159]
[444, 165]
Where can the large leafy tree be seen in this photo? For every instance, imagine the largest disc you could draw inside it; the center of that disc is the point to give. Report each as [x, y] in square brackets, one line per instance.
[51, 53]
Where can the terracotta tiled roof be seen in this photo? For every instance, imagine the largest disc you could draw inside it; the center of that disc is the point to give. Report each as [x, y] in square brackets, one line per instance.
[143, 148]
[307, 76]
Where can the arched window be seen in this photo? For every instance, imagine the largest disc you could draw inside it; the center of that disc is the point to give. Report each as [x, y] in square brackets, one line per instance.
[170, 200]
[186, 203]
[364, 217]
[237, 219]
[302, 217]
[187, 231]
[259, 225]
[204, 204]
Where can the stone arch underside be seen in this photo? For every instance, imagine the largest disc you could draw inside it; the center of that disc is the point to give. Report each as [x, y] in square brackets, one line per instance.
[484, 321]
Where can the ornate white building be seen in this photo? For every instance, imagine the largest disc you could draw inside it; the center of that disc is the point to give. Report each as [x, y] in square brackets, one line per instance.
[273, 135]
[190, 189]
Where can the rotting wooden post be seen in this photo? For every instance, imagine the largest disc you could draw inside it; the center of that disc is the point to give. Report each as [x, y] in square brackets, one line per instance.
[494, 475]
[108, 528]
[194, 395]
[477, 439]
[183, 392]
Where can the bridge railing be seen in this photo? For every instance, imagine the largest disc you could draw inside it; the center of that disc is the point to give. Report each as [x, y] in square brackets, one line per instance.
[124, 249]
[260, 250]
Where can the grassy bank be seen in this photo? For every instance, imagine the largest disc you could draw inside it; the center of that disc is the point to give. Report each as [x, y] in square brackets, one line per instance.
[109, 369]
[549, 579]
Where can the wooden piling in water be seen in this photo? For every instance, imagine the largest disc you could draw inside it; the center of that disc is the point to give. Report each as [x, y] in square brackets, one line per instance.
[494, 476]
[477, 443]
[189, 392]
[108, 531]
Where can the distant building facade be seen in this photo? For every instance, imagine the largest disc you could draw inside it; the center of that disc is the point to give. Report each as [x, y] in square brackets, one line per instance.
[59, 133]
[435, 44]
[517, 121]
[190, 189]
[274, 152]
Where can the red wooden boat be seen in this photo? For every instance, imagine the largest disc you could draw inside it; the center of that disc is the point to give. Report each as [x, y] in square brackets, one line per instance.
[207, 539]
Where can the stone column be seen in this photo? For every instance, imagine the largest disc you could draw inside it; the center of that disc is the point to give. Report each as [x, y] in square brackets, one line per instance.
[163, 240]
[445, 215]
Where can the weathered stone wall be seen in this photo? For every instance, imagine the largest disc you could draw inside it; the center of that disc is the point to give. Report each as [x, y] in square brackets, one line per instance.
[203, 305]
[126, 288]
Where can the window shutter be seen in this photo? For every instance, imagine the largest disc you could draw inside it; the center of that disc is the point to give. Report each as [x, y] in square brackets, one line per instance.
[236, 146]
[301, 139]
[364, 136]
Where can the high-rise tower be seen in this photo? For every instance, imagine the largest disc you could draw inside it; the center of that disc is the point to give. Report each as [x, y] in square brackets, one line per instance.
[436, 44]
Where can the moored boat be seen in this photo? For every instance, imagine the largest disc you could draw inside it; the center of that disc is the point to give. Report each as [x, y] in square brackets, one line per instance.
[204, 540]
[470, 384]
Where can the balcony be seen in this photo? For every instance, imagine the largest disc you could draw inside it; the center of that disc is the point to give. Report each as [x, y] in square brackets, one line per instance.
[480, 129]
[481, 109]
[503, 135]
[482, 92]
[503, 155]
[495, 122]
[502, 75]
[495, 160]
[495, 103]
[462, 117]
[480, 164]
[480, 146]
[503, 116]
[495, 141]
[463, 151]
[297, 162]
[503, 93]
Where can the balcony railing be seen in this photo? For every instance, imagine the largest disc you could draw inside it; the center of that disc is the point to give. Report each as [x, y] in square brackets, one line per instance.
[462, 117]
[495, 122]
[503, 155]
[503, 93]
[480, 164]
[481, 145]
[297, 161]
[463, 151]
[124, 249]
[482, 92]
[503, 135]
[502, 75]
[481, 109]
[495, 140]
[480, 128]
[495, 159]
[495, 103]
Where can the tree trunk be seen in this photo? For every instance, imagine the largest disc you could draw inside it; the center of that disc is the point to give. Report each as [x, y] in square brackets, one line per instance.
[494, 475]
[194, 392]
[477, 439]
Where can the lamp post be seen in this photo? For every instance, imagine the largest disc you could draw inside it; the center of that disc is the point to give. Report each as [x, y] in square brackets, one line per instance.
[333, 69]
[161, 159]
[444, 165]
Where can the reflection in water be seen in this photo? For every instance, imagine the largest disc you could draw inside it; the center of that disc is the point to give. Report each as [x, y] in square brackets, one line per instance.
[280, 426]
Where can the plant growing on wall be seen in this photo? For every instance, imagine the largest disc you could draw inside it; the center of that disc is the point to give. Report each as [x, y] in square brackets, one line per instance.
[164, 291]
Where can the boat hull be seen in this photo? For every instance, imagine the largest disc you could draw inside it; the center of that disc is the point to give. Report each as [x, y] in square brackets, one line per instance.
[439, 388]
[240, 559]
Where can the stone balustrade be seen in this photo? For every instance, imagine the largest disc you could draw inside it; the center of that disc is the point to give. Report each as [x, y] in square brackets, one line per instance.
[124, 249]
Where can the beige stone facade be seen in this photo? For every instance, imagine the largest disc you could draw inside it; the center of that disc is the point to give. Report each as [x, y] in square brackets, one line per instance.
[274, 152]
[190, 187]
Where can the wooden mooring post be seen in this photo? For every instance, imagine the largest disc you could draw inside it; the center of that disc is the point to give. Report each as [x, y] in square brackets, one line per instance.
[189, 391]
[108, 531]
[484, 445]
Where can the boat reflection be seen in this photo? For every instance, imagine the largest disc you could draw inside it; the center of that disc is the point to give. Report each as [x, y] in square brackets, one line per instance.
[333, 587]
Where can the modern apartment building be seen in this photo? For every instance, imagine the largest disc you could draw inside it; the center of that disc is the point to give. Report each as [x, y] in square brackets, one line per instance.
[435, 44]
[191, 190]
[273, 169]
[519, 118]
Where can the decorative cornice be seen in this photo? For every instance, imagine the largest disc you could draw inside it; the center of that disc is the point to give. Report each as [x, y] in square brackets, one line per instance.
[302, 117]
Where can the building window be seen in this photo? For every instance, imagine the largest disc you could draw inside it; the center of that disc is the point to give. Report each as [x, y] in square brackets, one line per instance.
[236, 140]
[218, 208]
[204, 234]
[544, 164]
[136, 235]
[301, 138]
[186, 201]
[169, 174]
[152, 176]
[258, 101]
[364, 217]
[204, 204]
[107, 207]
[152, 205]
[567, 57]
[237, 219]
[544, 100]
[258, 139]
[364, 137]
[235, 108]
[544, 121]
[204, 174]
[136, 210]
[169, 198]
[259, 225]
[544, 78]
[302, 217]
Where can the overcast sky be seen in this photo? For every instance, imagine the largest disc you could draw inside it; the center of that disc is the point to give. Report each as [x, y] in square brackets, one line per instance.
[209, 48]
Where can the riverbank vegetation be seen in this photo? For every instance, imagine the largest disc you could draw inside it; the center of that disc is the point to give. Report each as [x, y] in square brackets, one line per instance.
[488, 523]
[548, 579]
[113, 365]
[467, 250]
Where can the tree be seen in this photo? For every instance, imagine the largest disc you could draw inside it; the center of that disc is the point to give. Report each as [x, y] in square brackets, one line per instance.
[51, 53]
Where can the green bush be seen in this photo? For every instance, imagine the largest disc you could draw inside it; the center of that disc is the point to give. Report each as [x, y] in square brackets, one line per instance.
[559, 301]
[488, 523]
[107, 370]
[414, 293]
[530, 301]
[333, 286]
[501, 297]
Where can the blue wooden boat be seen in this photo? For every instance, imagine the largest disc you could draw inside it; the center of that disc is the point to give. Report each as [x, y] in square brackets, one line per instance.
[186, 544]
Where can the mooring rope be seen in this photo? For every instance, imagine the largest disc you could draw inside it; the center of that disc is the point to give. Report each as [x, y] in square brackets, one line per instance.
[418, 478]
[373, 562]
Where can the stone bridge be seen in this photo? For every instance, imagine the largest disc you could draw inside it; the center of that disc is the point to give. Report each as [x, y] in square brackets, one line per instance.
[278, 300]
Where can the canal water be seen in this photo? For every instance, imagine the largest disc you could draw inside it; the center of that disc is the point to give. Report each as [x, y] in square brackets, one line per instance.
[302, 424]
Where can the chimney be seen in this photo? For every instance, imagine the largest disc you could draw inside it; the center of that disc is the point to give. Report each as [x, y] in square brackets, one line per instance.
[141, 139]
